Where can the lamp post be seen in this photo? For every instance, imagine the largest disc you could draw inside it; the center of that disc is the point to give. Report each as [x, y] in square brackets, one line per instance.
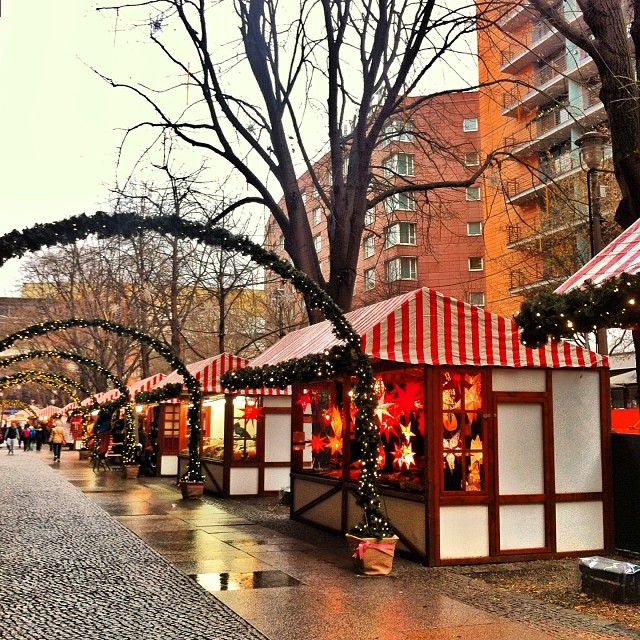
[591, 145]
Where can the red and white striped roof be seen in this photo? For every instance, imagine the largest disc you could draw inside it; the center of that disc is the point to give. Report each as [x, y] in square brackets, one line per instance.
[620, 256]
[427, 327]
[49, 411]
[207, 372]
[146, 384]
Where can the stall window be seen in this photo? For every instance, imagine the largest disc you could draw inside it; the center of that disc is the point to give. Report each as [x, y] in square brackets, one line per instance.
[247, 410]
[322, 407]
[400, 418]
[213, 412]
[171, 429]
[463, 432]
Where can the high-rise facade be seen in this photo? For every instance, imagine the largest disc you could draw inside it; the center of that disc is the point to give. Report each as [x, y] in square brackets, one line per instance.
[430, 238]
[540, 95]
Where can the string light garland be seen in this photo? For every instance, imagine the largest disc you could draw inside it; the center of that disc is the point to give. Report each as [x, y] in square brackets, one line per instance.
[129, 225]
[193, 473]
[613, 304]
[35, 376]
[17, 404]
[168, 392]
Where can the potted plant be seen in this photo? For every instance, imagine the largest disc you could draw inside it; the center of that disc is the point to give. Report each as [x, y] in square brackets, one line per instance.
[130, 457]
[373, 541]
[192, 481]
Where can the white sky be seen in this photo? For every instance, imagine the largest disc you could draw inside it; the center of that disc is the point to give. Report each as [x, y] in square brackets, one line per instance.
[61, 124]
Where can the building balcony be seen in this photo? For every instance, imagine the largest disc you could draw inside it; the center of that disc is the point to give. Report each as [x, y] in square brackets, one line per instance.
[522, 189]
[554, 128]
[516, 17]
[550, 81]
[540, 43]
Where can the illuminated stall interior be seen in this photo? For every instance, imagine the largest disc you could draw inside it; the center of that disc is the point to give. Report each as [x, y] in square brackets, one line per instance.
[489, 451]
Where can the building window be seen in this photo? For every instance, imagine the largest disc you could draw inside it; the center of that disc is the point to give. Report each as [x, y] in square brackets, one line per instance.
[369, 279]
[474, 228]
[516, 279]
[513, 233]
[399, 164]
[316, 216]
[317, 242]
[329, 178]
[397, 130]
[476, 263]
[369, 217]
[476, 298]
[400, 202]
[401, 269]
[470, 124]
[314, 191]
[471, 159]
[303, 194]
[400, 233]
[369, 246]
[473, 194]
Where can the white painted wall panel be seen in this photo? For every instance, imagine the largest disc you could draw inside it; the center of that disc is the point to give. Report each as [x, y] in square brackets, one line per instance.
[277, 438]
[579, 526]
[521, 526]
[576, 428]
[520, 449]
[464, 532]
[518, 379]
[243, 482]
[276, 478]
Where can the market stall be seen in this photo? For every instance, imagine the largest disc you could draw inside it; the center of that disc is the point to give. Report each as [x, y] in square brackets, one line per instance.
[246, 437]
[489, 450]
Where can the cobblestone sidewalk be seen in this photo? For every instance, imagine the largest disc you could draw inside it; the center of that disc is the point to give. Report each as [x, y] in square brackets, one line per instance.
[71, 572]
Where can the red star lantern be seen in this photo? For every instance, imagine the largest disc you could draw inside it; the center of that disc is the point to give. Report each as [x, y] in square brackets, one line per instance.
[382, 455]
[252, 411]
[386, 429]
[317, 443]
[409, 398]
[304, 399]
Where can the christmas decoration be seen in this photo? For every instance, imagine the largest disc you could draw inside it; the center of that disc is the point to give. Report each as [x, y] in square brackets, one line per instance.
[345, 360]
[317, 443]
[614, 303]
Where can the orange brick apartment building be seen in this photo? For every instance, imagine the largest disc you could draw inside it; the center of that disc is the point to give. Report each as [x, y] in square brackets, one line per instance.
[415, 239]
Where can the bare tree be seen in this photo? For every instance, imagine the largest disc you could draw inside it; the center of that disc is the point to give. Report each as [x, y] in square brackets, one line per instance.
[353, 63]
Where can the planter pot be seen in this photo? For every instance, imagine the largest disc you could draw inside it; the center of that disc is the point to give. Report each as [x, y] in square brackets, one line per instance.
[372, 556]
[191, 490]
[131, 470]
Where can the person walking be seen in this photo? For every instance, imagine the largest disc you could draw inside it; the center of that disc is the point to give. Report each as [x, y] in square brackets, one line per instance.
[57, 439]
[26, 437]
[11, 439]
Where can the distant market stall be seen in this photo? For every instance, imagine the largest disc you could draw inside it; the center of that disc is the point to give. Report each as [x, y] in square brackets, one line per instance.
[489, 450]
[246, 437]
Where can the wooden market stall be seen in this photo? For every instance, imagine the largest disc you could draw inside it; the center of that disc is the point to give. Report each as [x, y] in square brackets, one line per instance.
[490, 451]
[246, 437]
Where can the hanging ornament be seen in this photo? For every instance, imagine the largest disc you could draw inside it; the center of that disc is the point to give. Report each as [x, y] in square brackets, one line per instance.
[251, 411]
[407, 434]
[304, 399]
[335, 444]
[317, 443]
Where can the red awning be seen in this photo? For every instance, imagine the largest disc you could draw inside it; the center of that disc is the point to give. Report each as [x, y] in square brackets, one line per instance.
[146, 384]
[620, 256]
[427, 327]
[207, 372]
[47, 412]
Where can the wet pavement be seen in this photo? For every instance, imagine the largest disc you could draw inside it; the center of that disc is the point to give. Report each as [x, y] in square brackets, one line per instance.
[94, 555]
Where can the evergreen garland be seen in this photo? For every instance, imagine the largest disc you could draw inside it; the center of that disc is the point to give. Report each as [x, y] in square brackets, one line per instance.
[613, 304]
[129, 225]
[168, 392]
[35, 376]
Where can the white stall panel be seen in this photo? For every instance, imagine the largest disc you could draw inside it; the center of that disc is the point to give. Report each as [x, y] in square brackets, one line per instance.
[276, 401]
[518, 380]
[521, 526]
[277, 438]
[169, 465]
[243, 482]
[520, 449]
[276, 478]
[327, 513]
[576, 429]
[464, 532]
[579, 526]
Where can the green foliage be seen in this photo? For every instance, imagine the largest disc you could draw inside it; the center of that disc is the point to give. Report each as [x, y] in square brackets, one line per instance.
[613, 304]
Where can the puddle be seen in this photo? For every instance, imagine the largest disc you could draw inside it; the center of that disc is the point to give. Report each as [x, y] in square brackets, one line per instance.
[234, 581]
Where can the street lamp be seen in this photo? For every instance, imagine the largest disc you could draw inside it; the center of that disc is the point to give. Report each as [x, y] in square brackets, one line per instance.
[591, 145]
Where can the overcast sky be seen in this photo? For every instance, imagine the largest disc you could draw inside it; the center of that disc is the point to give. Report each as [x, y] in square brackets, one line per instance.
[60, 123]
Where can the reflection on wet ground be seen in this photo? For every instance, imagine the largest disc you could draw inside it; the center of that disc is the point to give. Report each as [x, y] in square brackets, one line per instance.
[227, 581]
